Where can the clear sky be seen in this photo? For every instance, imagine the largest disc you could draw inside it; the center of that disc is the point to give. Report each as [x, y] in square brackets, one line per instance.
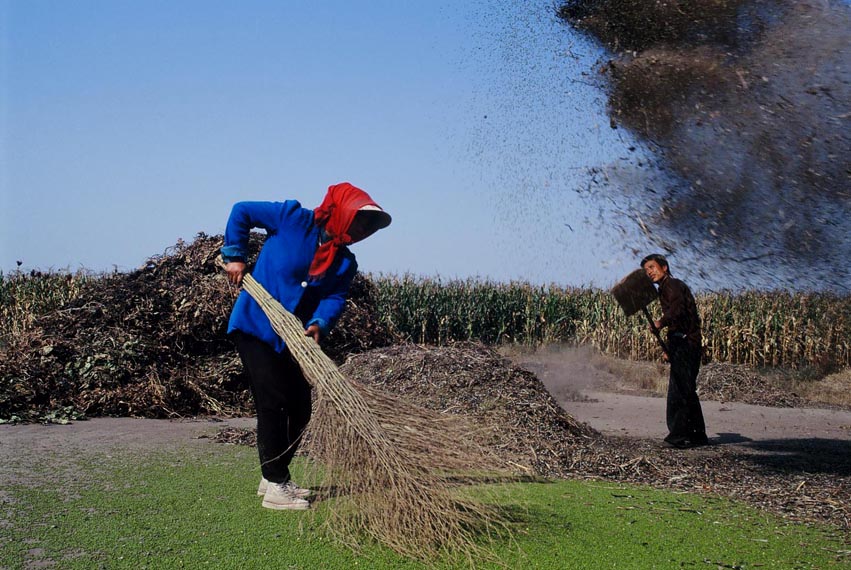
[127, 125]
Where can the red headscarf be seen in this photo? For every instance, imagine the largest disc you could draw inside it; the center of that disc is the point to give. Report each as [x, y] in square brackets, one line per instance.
[335, 215]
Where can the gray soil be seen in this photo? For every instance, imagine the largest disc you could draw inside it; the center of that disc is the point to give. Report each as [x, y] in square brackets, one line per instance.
[30, 453]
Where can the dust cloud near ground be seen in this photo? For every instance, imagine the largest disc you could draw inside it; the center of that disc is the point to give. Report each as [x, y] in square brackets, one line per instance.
[747, 103]
[565, 371]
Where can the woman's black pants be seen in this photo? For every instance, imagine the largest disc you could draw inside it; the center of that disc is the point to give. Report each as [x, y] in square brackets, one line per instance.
[282, 398]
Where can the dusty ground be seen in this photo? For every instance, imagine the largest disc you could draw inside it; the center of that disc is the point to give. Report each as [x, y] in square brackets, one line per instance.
[599, 398]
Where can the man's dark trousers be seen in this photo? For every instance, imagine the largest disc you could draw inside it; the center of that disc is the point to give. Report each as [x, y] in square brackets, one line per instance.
[684, 415]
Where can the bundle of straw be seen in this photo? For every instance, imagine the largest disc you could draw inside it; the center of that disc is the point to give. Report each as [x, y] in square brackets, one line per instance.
[389, 462]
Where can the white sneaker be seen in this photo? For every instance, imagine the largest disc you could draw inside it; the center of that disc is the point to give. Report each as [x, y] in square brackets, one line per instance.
[279, 496]
[299, 492]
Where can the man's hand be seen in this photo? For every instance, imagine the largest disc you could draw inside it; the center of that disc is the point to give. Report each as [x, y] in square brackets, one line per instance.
[313, 331]
[656, 326]
[235, 271]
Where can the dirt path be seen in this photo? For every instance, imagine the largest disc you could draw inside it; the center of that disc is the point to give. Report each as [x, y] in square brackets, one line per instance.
[585, 393]
[726, 422]
[29, 453]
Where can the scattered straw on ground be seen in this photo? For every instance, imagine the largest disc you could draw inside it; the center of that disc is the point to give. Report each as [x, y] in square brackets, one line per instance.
[735, 383]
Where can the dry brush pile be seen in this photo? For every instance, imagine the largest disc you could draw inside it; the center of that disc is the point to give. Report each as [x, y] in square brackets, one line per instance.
[521, 422]
[149, 343]
[735, 383]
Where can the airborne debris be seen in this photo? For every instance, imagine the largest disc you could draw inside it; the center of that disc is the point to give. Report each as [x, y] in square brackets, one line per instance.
[747, 97]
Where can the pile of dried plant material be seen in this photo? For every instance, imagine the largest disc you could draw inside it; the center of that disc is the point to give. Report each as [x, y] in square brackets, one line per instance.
[523, 424]
[391, 464]
[520, 420]
[151, 343]
[726, 382]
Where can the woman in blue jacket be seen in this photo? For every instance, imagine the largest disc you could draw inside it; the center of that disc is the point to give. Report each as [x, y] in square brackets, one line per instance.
[306, 265]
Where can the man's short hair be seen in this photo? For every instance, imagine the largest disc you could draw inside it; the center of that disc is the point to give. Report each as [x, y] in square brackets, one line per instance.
[658, 258]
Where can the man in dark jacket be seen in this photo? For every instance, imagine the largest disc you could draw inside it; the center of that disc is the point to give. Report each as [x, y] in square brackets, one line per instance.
[679, 315]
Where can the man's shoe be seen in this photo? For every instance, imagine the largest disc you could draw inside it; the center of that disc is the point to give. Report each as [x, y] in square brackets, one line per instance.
[280, 496]
[295, 489]
[699, 440]
[688, 443]
[673, 439]
[678, 442]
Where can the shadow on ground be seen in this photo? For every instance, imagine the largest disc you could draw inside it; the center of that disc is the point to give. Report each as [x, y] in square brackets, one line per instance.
[806, 455]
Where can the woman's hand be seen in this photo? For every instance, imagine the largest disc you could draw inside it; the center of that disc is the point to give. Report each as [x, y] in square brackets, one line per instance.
[235, 271]
[313, 331]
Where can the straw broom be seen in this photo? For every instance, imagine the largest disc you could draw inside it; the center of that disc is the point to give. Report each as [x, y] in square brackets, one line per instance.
[387, 461]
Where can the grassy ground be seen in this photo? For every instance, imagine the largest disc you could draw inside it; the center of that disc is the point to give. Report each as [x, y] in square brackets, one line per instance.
[196, 508]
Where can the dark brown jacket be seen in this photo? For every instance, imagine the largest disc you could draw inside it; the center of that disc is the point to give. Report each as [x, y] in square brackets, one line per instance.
[679, 311]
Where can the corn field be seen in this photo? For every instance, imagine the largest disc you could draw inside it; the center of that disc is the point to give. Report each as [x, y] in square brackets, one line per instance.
[24, 296]
[762, 329]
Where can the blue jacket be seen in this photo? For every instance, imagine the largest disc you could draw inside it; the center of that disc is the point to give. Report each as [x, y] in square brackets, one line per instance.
[282, 268]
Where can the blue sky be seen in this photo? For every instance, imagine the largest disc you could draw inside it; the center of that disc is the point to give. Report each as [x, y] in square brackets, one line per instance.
[127, 125]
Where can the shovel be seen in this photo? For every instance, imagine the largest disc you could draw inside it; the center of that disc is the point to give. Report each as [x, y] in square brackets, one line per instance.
[633, 293]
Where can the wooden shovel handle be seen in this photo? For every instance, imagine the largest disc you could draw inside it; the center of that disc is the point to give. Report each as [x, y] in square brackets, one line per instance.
[655, 330]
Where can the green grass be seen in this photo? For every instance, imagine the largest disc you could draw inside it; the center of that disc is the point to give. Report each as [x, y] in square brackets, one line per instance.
[197, 509]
